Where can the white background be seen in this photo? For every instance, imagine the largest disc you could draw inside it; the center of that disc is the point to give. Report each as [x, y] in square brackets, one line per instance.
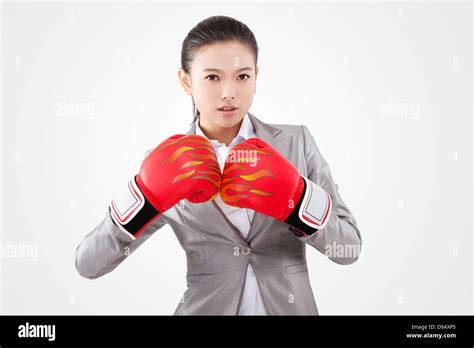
[385, 89]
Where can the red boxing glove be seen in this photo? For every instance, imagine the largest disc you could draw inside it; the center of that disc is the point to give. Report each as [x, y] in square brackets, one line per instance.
[181, 167]
[257, 177]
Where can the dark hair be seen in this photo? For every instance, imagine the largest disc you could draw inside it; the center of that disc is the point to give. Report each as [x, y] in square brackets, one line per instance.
[212, 30]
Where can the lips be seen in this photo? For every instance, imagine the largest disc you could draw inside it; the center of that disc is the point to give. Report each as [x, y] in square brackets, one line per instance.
[228, 108]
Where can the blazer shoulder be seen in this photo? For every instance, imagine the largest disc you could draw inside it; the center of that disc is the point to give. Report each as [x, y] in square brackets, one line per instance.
[300, 134]
[290, 129]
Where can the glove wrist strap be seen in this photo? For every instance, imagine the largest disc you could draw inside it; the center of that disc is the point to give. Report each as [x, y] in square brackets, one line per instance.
[131, 211]
[312, 211]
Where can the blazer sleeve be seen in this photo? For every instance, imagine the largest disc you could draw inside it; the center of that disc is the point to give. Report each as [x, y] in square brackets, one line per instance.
[106, 246]
[340, 240]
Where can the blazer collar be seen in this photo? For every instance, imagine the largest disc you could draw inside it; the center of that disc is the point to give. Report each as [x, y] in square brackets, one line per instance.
[263, 130]
[246, 130]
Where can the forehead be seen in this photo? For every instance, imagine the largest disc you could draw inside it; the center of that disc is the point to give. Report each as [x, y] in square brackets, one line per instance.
[223, 56]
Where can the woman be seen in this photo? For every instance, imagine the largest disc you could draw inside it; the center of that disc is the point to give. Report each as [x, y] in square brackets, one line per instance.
[251, 195]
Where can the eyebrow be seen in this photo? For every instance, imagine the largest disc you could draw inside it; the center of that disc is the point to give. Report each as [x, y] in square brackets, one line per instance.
[217, 70]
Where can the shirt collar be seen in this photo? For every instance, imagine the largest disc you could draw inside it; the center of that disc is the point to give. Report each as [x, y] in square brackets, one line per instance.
[246, 131]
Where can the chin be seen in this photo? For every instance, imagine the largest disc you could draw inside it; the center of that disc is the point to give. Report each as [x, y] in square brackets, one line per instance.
[227, 122]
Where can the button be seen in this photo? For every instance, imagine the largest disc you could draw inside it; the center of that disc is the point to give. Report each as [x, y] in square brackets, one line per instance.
[245, 250]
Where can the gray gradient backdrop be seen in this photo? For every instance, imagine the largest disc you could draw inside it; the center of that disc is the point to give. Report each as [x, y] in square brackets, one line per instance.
[385, 88]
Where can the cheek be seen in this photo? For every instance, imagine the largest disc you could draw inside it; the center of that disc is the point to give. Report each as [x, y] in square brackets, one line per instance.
[250, 88]
[248, 92]
[204, 91]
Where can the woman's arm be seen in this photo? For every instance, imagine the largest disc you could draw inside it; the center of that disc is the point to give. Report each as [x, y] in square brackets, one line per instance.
[106, 246]
[181, 167]
[340, 239]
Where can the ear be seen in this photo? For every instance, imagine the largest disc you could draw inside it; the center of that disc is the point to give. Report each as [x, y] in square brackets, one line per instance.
[185, 81]
[255, 85]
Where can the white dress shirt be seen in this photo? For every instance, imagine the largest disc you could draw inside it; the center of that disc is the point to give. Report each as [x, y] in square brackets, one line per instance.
[239, 217]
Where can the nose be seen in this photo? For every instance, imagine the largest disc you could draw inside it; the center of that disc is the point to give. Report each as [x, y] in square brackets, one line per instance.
[228, 93]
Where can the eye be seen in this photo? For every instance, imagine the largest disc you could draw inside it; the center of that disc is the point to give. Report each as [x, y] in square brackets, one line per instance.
[207, 77]
[247, 77]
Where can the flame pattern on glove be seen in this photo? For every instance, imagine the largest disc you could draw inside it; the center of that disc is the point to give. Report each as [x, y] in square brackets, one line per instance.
[203, 164]
[231, 191]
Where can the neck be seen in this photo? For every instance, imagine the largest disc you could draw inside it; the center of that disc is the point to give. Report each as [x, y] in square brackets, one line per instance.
[221, 134]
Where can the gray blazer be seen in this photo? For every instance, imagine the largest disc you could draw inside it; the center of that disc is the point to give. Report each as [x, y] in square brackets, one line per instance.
[217, 255]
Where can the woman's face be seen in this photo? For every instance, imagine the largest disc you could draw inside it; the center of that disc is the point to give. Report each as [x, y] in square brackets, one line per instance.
[222, 74]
